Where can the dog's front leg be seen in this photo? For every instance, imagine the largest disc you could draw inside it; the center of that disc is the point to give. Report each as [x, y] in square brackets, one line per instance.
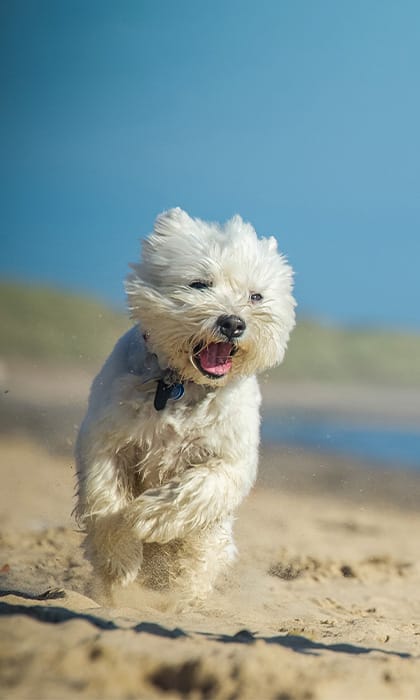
[114, 548]
[199, 498]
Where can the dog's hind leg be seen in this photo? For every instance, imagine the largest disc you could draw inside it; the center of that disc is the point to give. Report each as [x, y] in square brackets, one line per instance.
[202, 557]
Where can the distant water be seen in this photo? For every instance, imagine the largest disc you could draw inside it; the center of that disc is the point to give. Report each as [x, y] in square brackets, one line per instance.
[394, 446]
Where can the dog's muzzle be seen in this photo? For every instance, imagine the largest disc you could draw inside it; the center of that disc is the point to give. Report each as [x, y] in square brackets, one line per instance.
[214, 359]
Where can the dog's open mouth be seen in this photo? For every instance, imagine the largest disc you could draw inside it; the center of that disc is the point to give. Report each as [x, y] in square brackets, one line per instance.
[215, 359]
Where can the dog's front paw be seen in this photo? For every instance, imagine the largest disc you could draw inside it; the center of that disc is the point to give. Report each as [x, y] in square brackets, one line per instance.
[123, 564]
[115, 550]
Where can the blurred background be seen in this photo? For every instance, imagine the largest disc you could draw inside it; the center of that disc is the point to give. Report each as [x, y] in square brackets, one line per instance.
[302, 117]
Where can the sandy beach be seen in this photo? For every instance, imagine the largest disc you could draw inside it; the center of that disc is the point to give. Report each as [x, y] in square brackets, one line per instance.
[322, 603]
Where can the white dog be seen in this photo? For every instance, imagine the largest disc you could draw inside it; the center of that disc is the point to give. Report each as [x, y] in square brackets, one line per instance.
[169, 446]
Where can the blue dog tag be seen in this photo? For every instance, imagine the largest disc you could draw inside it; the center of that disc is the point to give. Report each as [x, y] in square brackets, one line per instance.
[177, 392]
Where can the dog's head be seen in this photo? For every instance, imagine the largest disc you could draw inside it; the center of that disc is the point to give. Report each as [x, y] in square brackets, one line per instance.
[214, 301]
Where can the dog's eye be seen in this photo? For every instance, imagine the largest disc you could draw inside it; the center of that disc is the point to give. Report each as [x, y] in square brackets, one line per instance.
[255, 296]
[200, 284]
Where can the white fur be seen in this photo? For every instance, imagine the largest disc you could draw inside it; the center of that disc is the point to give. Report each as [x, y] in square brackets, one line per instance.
[158, 489]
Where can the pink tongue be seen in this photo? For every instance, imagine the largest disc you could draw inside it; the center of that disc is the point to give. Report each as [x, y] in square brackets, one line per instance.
[215, 358]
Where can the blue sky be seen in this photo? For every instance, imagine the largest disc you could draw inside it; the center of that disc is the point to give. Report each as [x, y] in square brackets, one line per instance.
[301, 115]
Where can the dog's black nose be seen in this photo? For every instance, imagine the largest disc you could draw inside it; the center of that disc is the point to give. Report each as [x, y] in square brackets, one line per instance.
[231, 326]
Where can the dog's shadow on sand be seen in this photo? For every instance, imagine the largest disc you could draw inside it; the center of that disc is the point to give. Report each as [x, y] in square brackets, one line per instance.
[301, 644]
[53, 614]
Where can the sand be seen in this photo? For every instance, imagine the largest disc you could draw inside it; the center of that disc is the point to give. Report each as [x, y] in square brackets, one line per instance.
[322, 603]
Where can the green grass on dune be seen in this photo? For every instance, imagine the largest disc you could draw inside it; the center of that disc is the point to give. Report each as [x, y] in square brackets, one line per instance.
[48, 325]
[327, 353]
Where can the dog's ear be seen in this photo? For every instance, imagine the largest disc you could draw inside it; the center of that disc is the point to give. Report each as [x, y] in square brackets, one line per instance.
[236, 225]
[171, 221]
[272, 244]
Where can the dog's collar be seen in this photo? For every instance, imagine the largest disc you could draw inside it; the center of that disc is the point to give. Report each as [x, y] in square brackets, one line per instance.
[168, 387]
[169, 384]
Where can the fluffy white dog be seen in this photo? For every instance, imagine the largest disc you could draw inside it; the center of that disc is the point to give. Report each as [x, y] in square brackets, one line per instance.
[169, 446]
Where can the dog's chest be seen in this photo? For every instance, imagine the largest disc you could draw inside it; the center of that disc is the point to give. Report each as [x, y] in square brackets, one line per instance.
[160, 445]
[163, 444]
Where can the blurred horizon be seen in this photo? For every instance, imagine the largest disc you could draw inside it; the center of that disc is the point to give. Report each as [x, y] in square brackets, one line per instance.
[302, 117]
[118, 306]
[47, 325]
[339, 391]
